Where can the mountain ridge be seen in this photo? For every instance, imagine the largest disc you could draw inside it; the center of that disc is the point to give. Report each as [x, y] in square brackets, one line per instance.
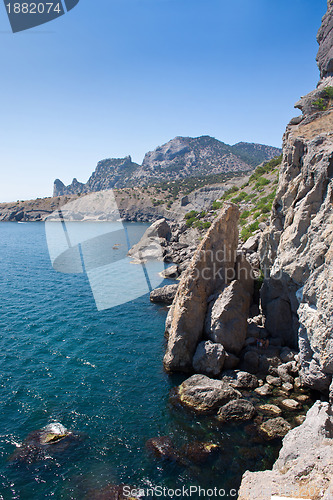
[177, 159]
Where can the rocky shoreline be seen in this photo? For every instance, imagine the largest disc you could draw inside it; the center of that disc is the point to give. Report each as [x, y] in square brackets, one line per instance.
[266, 357]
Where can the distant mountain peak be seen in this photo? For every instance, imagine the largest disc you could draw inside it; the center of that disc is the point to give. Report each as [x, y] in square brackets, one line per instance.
[178, 158]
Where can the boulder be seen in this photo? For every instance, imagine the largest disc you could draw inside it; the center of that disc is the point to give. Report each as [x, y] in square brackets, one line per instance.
[251, 244]
[210, 269]
[203, 394]
[274, 428]
[290, 405]
[165, 294]
[226, 320]
[198, 452]
[304, 468]
[264, 390]
[276, 381]
[209, 358]
[270, 410]
[171, 272]
[150, 245]
[163, 448]
[237, 410]
[245, 380]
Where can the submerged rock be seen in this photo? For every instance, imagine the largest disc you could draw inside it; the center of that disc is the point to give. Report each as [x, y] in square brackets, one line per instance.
[164, 295]
[40, 444]
[198, 452]
[304, 467]
[203, 394]
[237, 410]
[163, 448]
[274, 428]
[270, 410]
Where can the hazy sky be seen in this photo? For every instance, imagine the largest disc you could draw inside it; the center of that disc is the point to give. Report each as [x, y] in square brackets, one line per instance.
[118, 77]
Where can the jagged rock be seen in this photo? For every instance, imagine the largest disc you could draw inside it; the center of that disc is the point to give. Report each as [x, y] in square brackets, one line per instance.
[270, 410]
[324, 38]
[203, 394]
[304, 467]
[274, 428]
[244, 273]
[238, 410]
[276, 381]
[165, 294]
[209, 358]
[226, 320]
[251, 244]
[245, 380]
[150, 245]
[208, 271]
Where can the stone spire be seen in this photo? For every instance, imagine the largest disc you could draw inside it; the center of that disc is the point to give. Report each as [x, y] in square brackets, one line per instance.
[325, 40]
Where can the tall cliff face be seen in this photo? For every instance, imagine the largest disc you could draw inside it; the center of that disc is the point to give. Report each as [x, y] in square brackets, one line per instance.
[297, 249]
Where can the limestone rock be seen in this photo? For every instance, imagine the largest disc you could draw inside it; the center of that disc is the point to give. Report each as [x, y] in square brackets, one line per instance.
[270, 410]
[244, 274]
[226, 320]
[208, 271]
[171, 272]
[203, 394]
[264, 390]
[165, 294]
[304, 467]
[290, 404]
[209, 358]
[237, 410]
[149, 247]
[324, 37]
[251, 244]
[274, 428]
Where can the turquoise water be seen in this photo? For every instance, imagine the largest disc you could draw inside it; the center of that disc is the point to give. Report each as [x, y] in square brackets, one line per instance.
[99, 374]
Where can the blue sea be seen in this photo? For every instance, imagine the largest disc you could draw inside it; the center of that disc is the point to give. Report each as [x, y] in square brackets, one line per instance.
[100, 374]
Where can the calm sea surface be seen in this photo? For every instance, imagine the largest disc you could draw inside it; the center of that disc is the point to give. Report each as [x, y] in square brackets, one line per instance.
[99, 374]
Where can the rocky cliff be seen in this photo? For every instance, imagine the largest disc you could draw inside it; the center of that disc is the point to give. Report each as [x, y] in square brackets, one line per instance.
[296, 251]
[180, 158]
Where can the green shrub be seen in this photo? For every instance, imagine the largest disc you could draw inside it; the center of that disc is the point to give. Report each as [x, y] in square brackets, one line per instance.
[329, 92]
[245, 233]
[216, 205]
[245, 214]
[191, 215]
[320, 104]
[261, 182]
[190, 221]
[241, 197]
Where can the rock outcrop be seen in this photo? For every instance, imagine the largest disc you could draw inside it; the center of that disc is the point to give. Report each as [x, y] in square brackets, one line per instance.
[296, 251]
[226, 321]
[304, 468]
[210, 269]
[205, 395]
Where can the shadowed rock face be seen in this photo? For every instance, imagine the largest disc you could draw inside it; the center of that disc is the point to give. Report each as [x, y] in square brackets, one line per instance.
[325, 40]
[208, 272]
[297, 248]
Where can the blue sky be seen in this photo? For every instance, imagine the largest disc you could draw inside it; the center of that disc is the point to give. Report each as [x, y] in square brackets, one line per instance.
[118, 77]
